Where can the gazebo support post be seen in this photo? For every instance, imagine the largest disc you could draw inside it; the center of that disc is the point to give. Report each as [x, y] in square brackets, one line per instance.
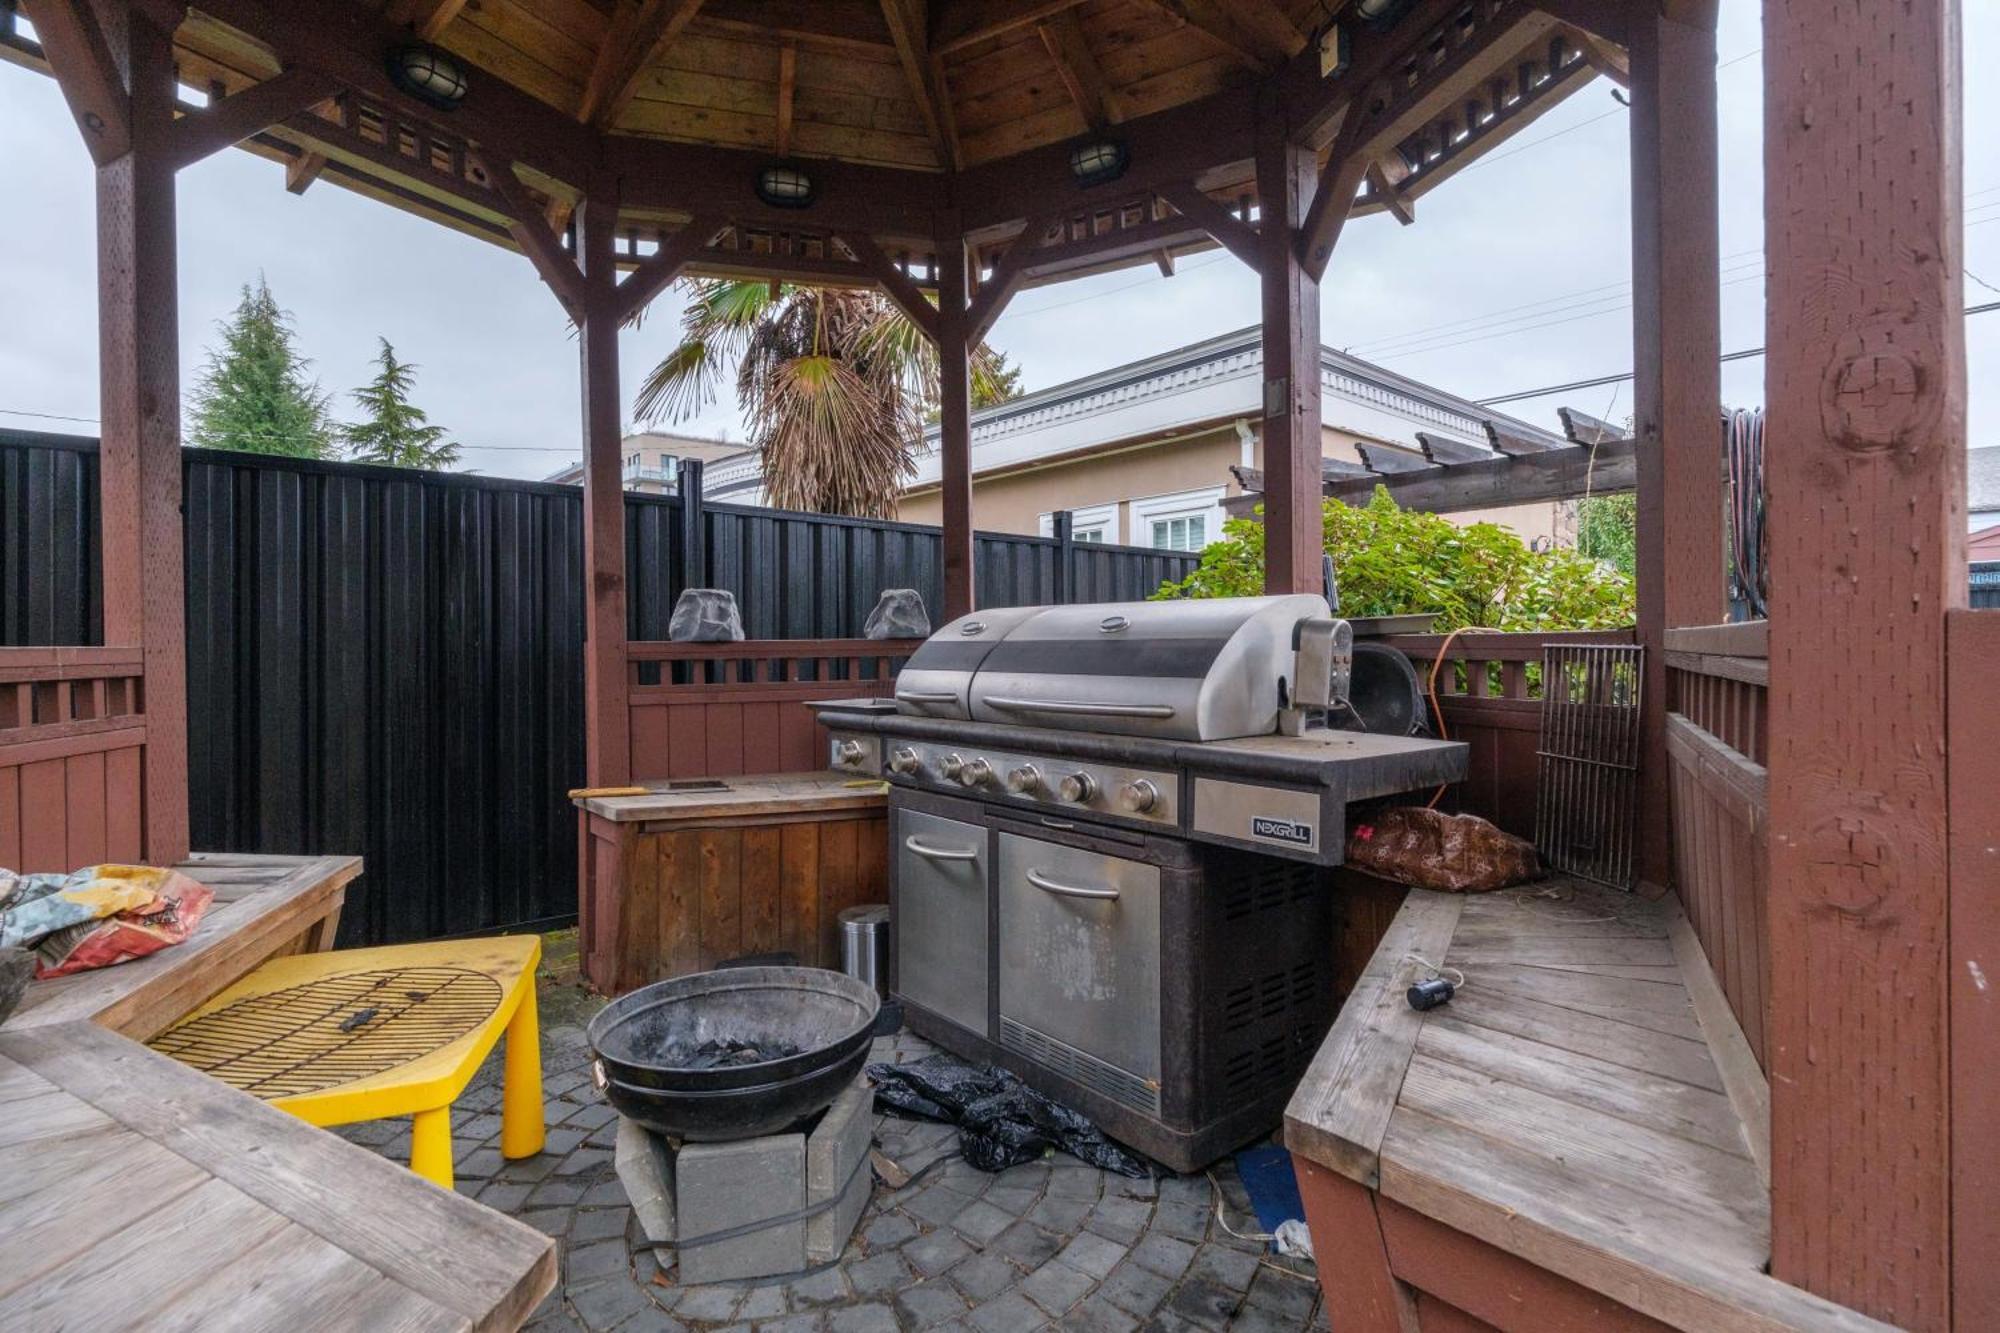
[954, 326]
[1865, 478]
[1677, 381]
[1293, 531]
[607, 720]
[116, 67]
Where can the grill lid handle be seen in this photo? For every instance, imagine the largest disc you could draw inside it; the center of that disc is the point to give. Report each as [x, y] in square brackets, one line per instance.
[1098, 707]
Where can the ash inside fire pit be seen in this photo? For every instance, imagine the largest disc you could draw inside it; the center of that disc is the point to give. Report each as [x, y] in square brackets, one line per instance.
[726, 1053]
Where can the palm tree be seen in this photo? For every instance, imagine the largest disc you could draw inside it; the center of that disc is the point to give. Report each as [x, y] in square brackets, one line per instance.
[835, 385]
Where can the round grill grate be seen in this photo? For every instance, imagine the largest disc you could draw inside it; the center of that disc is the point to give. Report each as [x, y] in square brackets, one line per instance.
[334, 1030]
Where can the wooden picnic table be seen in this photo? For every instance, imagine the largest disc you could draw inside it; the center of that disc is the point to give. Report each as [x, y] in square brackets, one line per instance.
[137, 1192]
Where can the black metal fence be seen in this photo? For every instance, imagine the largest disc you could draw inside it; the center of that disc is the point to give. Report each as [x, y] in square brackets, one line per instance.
[391, 662]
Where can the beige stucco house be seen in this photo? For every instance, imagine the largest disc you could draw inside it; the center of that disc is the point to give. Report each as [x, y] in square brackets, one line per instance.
[1142, 454]
[652, 461]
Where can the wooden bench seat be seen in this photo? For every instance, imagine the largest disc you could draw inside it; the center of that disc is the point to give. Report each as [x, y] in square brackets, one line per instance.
[1581, 1129]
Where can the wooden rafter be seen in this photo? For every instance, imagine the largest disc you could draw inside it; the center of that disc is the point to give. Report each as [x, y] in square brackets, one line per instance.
[1608, 19]
[251, 111]
[81, 60]
[909, 298]
[1231, 232]
[1006, 278]
[1438, 449]
[1254, 32]
[788, 86]
[964, 23]
[1507, 439]
[527, 223]
[909, 27]
[661, 267]
[426, 18]
[1384, 175]
[1606, 58]
[1077, 67]
[1476, 481]
[822, 23]
[633, 40]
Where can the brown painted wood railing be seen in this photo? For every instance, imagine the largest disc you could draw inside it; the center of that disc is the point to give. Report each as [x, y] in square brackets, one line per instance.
[1491, 699]
[1716, 743]
[726, 709]
[72, 756]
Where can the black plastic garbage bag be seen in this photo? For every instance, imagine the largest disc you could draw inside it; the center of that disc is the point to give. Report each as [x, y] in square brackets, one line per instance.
[1002, 1121]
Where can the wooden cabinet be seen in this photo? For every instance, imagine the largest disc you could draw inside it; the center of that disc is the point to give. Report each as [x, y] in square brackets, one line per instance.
[692, 874]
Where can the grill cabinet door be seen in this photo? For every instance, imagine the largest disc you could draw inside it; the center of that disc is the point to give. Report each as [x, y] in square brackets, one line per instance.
[1080, 964]
[942, 954]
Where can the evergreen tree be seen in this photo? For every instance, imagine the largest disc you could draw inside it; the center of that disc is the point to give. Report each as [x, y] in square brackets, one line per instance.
[1000, 382]
[253, 394]
[394, 431]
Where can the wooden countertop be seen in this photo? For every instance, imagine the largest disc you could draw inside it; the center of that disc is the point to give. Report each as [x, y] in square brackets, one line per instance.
[704, 801]
[145, 1194]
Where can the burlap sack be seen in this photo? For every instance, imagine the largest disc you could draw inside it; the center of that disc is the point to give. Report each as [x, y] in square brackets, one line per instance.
[1428, 849]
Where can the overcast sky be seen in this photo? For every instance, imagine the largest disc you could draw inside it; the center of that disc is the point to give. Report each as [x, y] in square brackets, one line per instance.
[1516, 275]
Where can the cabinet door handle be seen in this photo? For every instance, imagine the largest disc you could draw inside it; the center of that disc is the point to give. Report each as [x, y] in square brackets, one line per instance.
[941, 853]
[1047, 885]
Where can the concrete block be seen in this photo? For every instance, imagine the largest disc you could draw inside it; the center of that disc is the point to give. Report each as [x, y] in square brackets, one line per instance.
[722, 1185]
[836, 1161]
[645, 1169]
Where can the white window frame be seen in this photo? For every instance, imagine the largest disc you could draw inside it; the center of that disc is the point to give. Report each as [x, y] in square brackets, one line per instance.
[1204, 504]
[1099, 519]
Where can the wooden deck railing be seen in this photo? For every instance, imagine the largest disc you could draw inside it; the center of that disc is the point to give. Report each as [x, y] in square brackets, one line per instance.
[1717, 740]
[1489, 691]
[72, 756]
[724, 709]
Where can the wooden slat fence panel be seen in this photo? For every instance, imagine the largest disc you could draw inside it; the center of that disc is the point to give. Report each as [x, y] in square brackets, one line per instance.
[1717, 739]
[72, 757]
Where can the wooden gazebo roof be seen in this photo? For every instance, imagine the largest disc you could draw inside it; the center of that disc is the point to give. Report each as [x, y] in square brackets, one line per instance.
[901, 109]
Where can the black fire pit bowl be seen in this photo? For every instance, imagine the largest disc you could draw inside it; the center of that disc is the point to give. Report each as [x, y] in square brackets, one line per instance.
[642, 1041]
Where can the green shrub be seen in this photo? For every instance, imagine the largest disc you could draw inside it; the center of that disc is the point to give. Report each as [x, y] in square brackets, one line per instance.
[1393, 561]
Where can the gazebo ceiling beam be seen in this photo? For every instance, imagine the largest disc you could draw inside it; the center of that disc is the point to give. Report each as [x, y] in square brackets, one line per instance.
[909, 28]
[1062, 36]
[1229, 231]
[1006, 278]
[896, 282]
[966, 23]
[696, 178]
[426, 18]
[1608, 19]
[661, 267]
[633, 40]
[529, 226]
[252, 111]
[832, 23]
[1254, 32]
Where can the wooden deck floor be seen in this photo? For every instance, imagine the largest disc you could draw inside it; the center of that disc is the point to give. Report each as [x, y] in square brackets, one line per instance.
[1572, 1105]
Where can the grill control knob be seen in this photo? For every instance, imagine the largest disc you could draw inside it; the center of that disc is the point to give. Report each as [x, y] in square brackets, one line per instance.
[951, 766]
[848, 752]
[1138, 796]
[1077, 788]
[904, 760]
[976, 773]
[1025, 780]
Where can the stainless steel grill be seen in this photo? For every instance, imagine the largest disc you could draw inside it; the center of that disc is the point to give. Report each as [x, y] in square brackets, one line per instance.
[1074, 793]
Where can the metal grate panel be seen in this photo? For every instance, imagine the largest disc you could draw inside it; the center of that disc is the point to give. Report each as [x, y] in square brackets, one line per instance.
[1587, 802]
[335, 1030]
[1120, 1085]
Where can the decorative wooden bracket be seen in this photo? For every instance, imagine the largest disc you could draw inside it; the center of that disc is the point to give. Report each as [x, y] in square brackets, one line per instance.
[1005, 280]
[1333, 200]
[1230, 232]
[250, 112]
[909, 298]
[81, 60]
[663, 266]
[528, 224]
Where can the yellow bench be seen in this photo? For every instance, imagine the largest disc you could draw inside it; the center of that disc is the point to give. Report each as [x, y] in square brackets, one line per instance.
[366, 1034]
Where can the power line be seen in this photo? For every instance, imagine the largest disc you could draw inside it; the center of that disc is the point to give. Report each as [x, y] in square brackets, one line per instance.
[1743, 355]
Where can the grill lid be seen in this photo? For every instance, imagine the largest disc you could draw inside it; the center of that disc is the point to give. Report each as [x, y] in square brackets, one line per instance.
[1181, 670]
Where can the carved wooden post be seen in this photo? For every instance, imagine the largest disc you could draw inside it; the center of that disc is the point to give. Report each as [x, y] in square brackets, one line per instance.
[1865, 458]
[1677, 382]
[607, 722]
[954, 418]
[1293, 531]
[139, 374]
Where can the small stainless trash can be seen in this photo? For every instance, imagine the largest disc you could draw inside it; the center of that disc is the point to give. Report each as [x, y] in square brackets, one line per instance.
[864, 945]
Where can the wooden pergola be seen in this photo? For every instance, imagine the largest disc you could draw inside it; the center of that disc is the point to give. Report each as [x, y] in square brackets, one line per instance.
[954, 152]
